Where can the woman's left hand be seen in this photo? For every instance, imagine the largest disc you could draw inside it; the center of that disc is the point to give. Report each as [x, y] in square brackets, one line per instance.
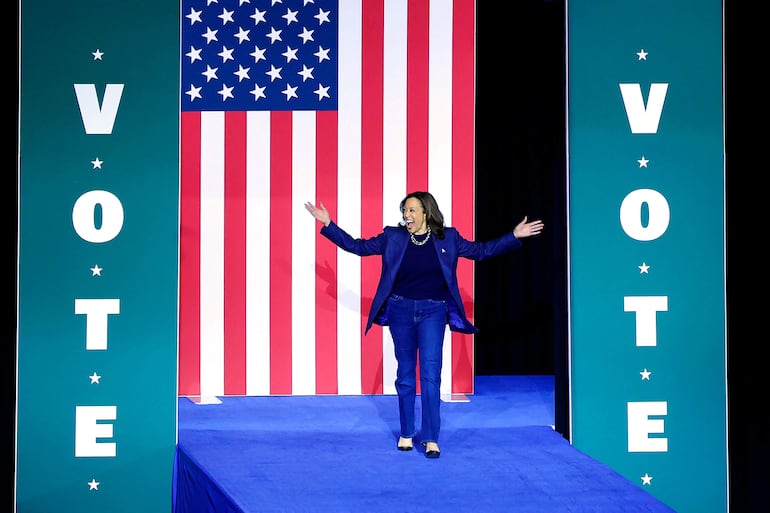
[527, 228]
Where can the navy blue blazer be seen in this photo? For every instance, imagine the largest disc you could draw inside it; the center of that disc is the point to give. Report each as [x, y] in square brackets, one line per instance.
[392, 242]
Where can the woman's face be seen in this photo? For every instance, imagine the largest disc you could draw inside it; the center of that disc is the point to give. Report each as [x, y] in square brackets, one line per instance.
[415, 217]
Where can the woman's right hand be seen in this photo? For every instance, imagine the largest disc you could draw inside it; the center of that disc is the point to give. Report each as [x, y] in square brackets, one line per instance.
[319, 212]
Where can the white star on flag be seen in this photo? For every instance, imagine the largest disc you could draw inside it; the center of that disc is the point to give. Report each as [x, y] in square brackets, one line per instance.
[194, 16]
[97, 54]
[322, 16]
[642, 162]
[210, 35]
[646, 479]
[95, 378]
[93, 484]
[643, 269]
[194, 92]
[642, 55]
[97, 163]
[194, 54]
[96, 270]
[645, 374]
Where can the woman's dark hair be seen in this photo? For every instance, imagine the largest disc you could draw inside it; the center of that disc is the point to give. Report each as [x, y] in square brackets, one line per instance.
[429, 204]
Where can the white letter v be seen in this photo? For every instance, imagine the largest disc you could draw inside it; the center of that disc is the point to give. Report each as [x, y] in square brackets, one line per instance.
[98, 120]
[643, 120]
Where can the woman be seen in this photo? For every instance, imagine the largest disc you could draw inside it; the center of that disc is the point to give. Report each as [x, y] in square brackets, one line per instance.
[418, 295]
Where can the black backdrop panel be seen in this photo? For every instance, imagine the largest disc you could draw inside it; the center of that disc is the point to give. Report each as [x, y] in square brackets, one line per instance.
[520, 298]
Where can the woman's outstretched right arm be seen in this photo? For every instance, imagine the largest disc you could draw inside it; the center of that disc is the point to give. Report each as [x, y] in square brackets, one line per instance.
[360, 247]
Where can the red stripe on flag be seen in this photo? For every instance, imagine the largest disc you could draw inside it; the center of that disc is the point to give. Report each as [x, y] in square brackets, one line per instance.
[463, 73]
[326, 256]
[280, 252]
[417, 101]
[235, 254]
[189, 250]
[372, 48]
[417, 81]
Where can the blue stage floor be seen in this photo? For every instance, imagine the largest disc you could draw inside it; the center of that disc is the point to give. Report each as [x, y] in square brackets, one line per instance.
[336, 454]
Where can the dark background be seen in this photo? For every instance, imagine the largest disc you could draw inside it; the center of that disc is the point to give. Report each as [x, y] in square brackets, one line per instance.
[521, 298]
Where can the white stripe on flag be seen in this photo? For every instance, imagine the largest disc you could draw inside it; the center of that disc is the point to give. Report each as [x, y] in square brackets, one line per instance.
[440, 137]
[349, 337]
[303, 233]
[395, 144]
[212, 341]
[258, 253]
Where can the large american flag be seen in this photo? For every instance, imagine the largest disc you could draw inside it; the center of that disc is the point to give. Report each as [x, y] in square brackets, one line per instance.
[352, 103]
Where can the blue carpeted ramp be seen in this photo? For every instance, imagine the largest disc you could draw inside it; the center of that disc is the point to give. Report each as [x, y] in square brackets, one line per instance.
[337, 454]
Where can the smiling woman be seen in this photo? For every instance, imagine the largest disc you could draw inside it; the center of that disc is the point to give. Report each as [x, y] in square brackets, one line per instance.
[418, 296]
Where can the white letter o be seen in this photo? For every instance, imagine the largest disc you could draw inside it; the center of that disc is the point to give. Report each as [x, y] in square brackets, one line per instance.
[631, 219]
[83, 216]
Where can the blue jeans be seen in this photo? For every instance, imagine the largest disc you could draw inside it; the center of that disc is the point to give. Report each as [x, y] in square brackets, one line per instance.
[417, 327]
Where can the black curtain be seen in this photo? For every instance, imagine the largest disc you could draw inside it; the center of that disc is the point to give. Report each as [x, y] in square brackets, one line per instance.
[521, 298]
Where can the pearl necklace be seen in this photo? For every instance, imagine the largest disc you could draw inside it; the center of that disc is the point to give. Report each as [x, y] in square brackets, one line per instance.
[420, 242]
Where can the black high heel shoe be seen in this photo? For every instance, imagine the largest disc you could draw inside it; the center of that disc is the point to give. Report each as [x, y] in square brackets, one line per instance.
[432, 453]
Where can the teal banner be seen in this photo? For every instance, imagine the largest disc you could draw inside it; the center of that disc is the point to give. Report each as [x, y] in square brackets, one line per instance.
[647, 245]
[98, 256]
